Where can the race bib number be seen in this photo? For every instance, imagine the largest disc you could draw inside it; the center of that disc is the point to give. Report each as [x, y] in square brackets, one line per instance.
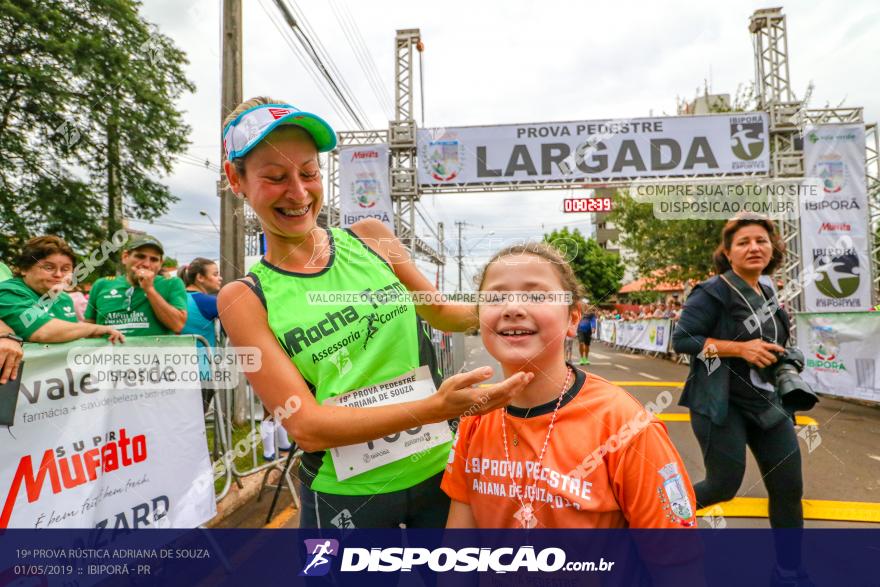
[355, 459]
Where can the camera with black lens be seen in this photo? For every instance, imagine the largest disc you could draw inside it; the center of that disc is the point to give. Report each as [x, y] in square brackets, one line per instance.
[795, 393]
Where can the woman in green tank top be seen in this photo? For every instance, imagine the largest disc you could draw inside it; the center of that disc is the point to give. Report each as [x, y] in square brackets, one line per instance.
[338, 340]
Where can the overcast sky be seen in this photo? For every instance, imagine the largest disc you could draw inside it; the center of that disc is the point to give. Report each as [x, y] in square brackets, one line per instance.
[494, 62]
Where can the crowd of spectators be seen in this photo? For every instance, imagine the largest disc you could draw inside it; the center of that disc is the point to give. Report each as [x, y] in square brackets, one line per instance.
[46, 298]
[670, 310]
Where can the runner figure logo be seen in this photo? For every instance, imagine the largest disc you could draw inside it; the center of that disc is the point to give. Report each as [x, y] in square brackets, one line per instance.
[341, 360]
[747, 139]
[811, 436]
[709, 356]
[343, 520]
[676, 500]
[318, 551]
[838, 274]
[444, 159]
[371, 329]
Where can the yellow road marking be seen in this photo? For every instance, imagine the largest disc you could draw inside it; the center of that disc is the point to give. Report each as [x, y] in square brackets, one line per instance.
[674, 417]
[279, 520]
[801, 420]
[649, 383]
[630, 384]
[814, 509]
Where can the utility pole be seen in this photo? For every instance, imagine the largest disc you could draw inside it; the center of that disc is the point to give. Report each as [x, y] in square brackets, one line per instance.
[459, 256]
[441, 247]
[115, 212]
[231, 207]
[232, 221]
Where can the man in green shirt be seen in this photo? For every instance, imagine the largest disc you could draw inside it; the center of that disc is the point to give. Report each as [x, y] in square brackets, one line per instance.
[141, 302]
[10, 349]
[5, 273]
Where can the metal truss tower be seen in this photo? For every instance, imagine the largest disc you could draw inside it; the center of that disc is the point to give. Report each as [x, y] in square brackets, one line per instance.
[788, 119]
[402, 132]
[401, 139]
[773, 94]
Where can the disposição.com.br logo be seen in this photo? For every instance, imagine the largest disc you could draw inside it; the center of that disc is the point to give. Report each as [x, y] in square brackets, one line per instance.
[321, 552]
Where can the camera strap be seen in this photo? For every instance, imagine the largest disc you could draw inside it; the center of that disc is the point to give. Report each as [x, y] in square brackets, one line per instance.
[752, 299]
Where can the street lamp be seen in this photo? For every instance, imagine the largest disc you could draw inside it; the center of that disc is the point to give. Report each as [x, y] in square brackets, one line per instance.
[208, 216]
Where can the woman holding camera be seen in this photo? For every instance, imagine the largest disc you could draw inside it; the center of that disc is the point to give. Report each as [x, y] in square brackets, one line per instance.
[735, 331]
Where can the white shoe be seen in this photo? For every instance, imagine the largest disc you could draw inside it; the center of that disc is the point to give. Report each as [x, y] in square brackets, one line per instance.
[267, 434]
[281, 438]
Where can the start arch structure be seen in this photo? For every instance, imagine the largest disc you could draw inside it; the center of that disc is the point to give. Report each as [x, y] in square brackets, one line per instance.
[768, 144]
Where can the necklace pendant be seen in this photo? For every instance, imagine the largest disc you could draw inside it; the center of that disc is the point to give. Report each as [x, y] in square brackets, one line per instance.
[526, 516]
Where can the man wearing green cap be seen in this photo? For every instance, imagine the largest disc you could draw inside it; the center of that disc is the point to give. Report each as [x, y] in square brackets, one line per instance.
[141, 302]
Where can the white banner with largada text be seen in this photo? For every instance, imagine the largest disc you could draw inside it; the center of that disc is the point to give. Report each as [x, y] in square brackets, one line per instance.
[672, 146]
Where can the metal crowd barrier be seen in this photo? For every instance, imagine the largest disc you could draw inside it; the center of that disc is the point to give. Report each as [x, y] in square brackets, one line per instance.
[443, 348]
[219, 416]
[607, 332]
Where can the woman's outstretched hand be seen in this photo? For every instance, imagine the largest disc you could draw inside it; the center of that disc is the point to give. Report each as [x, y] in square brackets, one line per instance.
[458, 397]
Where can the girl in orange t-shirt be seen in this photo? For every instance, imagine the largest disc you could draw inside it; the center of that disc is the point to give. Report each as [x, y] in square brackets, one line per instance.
[573, 450]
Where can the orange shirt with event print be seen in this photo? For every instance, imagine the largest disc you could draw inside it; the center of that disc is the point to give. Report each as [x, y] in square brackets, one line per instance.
[609, 464]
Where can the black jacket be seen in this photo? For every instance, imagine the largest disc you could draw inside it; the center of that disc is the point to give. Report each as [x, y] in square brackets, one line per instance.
[706, 314]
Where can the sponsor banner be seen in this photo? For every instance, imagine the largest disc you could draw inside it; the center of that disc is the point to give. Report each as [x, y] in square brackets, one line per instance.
[606, 330]
[116, 456]
[595, 150]
[645, 335]
[841, 353]
[365, 185]
[834, 227]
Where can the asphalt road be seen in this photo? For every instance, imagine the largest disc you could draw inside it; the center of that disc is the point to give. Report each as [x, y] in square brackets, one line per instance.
[841, 464]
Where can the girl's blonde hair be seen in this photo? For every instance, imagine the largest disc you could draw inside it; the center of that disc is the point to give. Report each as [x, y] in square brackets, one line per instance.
[547, 252]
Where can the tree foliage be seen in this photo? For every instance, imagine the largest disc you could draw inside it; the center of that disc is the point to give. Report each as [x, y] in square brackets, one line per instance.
[86, 87]
[673, 250]
[598, 270]
[680, 249]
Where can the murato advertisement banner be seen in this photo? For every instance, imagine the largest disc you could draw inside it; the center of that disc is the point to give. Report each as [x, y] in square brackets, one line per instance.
[364, 185]
[841, 353]
[834, 228]
[646, 335]
[595, 150]
[85, 452]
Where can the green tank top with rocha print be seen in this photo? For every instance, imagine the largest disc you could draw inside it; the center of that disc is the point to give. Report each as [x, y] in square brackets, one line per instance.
[346, 345]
